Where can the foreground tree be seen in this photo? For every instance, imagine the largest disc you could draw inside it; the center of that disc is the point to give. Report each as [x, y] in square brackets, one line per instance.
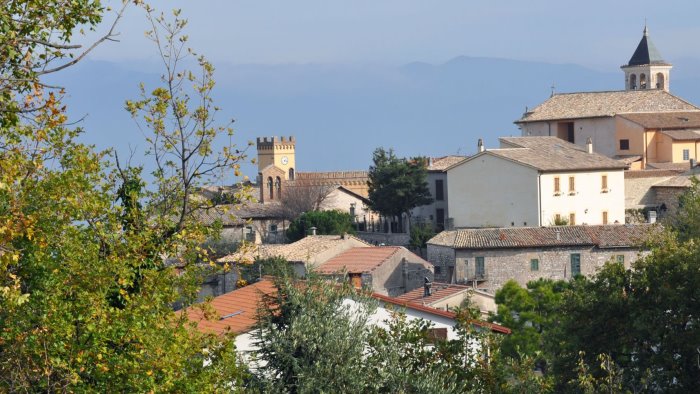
[85, 298]
[397, 185]
[325, 222]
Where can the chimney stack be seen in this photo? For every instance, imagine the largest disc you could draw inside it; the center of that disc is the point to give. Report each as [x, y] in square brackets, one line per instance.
[589, 145]
[480, 145]
[427, 284]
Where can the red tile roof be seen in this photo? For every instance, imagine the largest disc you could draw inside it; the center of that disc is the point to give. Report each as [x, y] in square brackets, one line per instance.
[359, 260]
[438, 312]
[237, 310]
[440, 291]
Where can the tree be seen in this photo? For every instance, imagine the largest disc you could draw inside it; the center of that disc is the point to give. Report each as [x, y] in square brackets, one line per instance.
[421, 234]
[326, 222]
[299, 197]
[397, 185]
[85, 299]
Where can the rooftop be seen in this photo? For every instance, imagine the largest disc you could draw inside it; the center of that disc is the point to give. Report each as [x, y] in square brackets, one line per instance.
[236, 311]
[552, 154]
[442, 163]
[601, 236]
[439, 291]
[665, 120]
[604, 104]
[359, 260]
[302, 250]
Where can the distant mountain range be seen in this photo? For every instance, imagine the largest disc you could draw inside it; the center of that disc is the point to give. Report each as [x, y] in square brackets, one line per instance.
[340, 113]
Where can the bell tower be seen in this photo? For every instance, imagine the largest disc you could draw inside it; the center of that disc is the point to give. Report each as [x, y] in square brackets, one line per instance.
[278, 152]
[647, 69]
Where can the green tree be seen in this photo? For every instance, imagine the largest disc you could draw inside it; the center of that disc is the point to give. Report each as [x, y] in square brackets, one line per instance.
[85, 299]
[421, 234]
[397, 185]
[532, 313]
[686, 221]
[326, 222]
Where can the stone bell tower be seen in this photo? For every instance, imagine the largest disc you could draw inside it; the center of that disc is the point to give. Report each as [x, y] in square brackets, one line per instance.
[276, 165]
[647, 69]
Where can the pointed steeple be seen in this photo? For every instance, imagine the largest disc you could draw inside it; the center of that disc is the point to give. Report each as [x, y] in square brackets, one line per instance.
[646, 52]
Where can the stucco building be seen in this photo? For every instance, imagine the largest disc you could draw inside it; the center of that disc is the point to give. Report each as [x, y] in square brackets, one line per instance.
[536, 181]
[641, 124]
[437, 212]
[491, 257]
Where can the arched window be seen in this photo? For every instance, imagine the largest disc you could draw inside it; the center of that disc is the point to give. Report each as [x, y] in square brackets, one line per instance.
[642, 81]
[660, 81]
[278, 186]
[633, 81]
[270, 188]
[291, 174]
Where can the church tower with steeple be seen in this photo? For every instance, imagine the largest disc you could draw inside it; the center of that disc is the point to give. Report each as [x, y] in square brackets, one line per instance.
[647, 69]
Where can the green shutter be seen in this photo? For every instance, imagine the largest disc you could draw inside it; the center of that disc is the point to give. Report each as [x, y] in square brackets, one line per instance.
[480, 268]
[534, 265]
[575, 264]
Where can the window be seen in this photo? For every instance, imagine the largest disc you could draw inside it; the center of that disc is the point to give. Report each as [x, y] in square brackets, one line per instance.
[633, 81]
[572, 185]
[604, 183]
[572, 219]
[534, 265]
[291, 174]
[660, 81]
[642, 81]
[624, 144]
[438, 270]
[575, 264]
[273, 228]
[686, 154]
[557, 218]
[270, 188]
[480, 268]
[440, 219]
[620, 258]
[439, 190]
[605, 217]
[557, 188]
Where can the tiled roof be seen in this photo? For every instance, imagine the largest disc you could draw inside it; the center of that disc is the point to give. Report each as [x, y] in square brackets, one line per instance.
[302, 250]
[677, 167]
[439, 291]
[438, 312]
[598, 104]
[602, 236]
[653, 173]
[680, 180]
[552, 154]
[683, 135]
[237, 310]
[665, 120]
[442, 163]
[359, 260]
[238, 214]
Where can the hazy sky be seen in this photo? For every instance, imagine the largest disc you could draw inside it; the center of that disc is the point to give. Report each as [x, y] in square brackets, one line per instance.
[594, 33]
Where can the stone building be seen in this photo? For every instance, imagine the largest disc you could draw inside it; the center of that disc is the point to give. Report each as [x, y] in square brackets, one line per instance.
[490, 257]
[535, 181]
[642, 124]
[387, 270]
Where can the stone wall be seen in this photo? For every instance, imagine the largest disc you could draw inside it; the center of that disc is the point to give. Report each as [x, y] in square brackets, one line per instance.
[638, 187]
[502, 265]
[668, 196]
[377, 238]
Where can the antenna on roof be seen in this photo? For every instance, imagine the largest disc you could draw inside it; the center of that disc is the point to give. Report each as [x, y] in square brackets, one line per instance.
[554, 88]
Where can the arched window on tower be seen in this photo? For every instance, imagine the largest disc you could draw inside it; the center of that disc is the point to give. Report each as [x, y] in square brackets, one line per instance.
[633, 81]
[660, 81]
[291, 174]
[278, 187]
[642, 81]
[270, 188]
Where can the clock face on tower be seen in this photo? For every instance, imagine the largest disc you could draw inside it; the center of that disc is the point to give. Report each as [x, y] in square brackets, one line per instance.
[285, 160]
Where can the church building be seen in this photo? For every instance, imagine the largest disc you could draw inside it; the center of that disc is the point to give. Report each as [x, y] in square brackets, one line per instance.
[644, 125]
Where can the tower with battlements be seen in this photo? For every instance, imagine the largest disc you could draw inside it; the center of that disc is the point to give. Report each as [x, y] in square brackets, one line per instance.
[277, 152]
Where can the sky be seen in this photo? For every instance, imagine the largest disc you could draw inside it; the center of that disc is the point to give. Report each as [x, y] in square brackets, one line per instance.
[344, 73]
[395, 32]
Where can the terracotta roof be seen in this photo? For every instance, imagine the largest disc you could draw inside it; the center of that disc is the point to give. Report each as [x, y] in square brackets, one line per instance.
[302, 250]
[665, 120]
[441, 164]
[439, 312]
[683, 135]
[551, 154]
[601, 236]
[237, 310]
[238, 214]
[359, 260]
[439, 291]
[602, 104]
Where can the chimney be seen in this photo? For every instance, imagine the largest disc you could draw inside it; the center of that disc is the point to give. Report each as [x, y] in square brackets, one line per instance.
[480, 145]
[589, 145]
[427, 284]
[313, 230]
[558, 234]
